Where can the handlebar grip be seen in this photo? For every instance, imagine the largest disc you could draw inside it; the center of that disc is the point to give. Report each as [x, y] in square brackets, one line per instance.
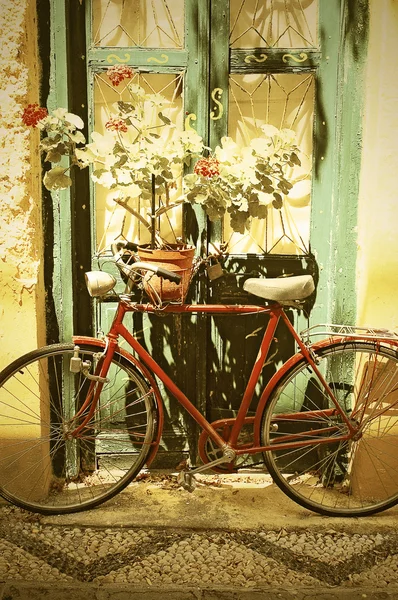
[117, 247]
[168, 275]
[131, 246]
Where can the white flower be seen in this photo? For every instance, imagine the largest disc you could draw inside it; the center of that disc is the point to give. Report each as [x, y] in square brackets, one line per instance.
[262, 147]
[264, 198]
[74, 119]
[269, 130]
[288, 137]
[229, 150]
[191, 141]
[103, 144]
[59, 113]
[123, 177]
[105, 178]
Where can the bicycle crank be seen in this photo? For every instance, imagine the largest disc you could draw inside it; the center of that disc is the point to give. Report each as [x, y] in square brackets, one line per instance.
[186, 479]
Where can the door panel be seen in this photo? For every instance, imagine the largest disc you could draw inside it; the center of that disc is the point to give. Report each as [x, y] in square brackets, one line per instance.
[113, 220]
[155, 24]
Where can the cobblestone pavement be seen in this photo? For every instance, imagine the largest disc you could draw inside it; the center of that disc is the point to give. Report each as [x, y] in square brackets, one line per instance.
[40, 558]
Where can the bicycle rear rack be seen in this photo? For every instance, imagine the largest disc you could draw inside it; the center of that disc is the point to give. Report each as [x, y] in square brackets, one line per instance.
[346, 331]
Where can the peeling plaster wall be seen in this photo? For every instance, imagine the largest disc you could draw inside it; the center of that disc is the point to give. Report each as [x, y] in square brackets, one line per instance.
[21, 290]
[378, 199]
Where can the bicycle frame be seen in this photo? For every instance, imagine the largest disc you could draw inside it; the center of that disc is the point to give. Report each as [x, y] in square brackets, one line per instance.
[276, 314]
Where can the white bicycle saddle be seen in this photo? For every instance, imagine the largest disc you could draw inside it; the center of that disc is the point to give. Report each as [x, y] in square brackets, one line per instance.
[281, 289]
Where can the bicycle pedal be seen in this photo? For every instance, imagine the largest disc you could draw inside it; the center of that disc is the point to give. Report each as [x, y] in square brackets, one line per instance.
[187, 481]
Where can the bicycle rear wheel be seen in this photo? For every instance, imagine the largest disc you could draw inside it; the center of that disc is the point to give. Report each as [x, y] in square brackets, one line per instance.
[45, 466]
[349, 478]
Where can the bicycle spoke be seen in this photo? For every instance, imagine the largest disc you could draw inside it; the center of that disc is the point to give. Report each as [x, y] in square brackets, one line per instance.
[335, 476]
[50, 466]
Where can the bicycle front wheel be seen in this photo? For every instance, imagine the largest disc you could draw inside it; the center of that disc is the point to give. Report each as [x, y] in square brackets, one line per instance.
[355, 477]
[46, 464]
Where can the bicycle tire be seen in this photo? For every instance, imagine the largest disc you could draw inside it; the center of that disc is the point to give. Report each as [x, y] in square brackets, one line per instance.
[43, 468]
[354, 478]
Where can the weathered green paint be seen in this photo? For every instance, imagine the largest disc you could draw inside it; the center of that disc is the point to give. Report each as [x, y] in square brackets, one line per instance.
[58, 97]
[324, 199]
[196, 102]
[275, 60]
[350, 110]
[140, 57]
[219, 85]
[337, 152]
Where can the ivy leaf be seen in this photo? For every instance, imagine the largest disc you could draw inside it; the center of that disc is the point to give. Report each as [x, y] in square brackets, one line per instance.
[263, 168]
[55, 179]
[167, 175]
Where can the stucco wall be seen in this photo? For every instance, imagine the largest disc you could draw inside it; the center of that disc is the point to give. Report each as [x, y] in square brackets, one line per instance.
[377, 275]
[21, 293]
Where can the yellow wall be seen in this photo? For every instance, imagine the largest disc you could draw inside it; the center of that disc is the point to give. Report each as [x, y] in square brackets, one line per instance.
[21, 292]
[377, 270]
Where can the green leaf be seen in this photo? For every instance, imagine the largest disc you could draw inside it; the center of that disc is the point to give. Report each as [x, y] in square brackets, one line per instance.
[295, 159]
[122, 160]
[55, 179]
[263, 168]
[98, 172]
[50, 142]
[239, 221]
[284, 186]
[125, 107]
[257, 210]
[118, 149]
[278, 202]
[165, 120]
[53, 156]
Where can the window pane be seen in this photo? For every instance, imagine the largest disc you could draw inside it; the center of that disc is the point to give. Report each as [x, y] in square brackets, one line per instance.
[143, 23]
[285, 101]
[112, 220]
[274, 23]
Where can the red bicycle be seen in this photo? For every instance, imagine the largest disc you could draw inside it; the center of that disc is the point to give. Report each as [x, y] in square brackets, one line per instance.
[79, 421]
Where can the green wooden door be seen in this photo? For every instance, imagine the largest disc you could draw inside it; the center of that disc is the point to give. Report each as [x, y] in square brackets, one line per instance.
[167, 45]
[229, 66]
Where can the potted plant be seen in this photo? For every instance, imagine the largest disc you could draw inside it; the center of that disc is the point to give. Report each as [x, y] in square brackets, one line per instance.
[141, 154]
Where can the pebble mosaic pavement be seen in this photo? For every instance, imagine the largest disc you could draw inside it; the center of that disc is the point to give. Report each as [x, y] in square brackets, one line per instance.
[31, 551]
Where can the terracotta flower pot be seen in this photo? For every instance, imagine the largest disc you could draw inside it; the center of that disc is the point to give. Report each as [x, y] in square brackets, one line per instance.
[179, 259]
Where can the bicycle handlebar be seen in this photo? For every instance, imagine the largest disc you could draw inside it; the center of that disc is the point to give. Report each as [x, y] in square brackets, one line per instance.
[120, 247]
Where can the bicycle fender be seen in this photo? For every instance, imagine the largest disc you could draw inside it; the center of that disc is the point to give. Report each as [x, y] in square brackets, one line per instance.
[146, 374]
